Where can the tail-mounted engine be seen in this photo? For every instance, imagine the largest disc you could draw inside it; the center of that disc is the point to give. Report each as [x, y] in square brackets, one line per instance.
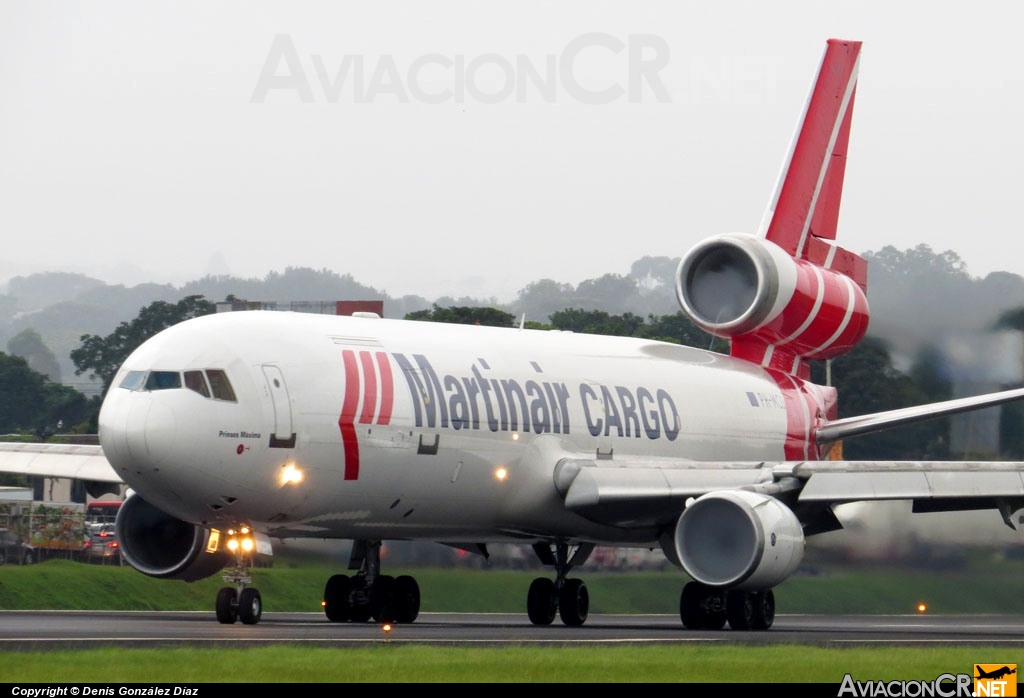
[160, 545]
[775, 308]
[737, 539]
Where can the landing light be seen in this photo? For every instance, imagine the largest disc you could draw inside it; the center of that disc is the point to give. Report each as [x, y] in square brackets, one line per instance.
[387, 631]
[241, 540]
[922, 607]
[501, 474]
[290, 475]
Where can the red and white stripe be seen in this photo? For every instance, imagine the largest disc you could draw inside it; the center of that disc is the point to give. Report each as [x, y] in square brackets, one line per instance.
[369, 398]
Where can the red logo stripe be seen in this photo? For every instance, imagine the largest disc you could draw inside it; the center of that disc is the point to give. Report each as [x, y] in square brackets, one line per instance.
[348, 415]
[370, 394]
[387, 388]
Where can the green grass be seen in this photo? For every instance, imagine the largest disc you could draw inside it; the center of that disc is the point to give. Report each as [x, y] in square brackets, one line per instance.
[397, 663]
[990, 586]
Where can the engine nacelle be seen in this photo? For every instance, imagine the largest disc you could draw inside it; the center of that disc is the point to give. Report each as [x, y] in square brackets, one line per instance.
[160, 545]
[737, 539]
[744, 287]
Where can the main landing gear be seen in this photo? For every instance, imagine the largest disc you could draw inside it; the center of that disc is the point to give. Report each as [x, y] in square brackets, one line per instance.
[708, 608]
[568, 598]
[240, 601]
[369, 594]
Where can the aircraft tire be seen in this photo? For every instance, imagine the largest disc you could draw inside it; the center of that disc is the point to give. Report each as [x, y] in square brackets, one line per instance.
[574, 603]
[406, 599]
[227, 610]
[542, 601]
[739, 609]
[691, 611]
[764, 609]
[336, 604]
[250, 606]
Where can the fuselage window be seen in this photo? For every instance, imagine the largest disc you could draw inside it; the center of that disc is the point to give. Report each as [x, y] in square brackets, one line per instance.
[194, 381]
[220, 385]
[163, 380]
[134, 380]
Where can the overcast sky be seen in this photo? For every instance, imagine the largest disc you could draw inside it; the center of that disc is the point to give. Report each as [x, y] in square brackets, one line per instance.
[449, 148]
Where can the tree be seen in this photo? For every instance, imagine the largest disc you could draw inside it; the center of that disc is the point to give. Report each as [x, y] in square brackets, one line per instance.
[103, 356]
[29, 401]
[678, 328]
[463, 315]
[597, 322]
[29, 345]
[1012, 319]
[867, 382]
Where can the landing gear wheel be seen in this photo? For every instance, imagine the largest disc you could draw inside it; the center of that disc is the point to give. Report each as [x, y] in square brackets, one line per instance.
[227, 609]
[764, 609]
[702, 607]
[336, 605]
[406, 599]
[691, 612]
[360, 611]
[250, 606]
[574, 603]
[381, 599]
[739, 608]
[715, 621]
[542, 601]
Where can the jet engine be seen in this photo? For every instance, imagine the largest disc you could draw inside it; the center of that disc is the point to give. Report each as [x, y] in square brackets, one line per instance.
[737, 539]
[160, 545]
[741, 286]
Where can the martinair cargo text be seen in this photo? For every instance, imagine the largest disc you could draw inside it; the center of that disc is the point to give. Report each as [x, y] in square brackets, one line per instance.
[234, 427]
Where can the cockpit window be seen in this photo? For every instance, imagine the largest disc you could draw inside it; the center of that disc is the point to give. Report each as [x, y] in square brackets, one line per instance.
[134, 380]
[212, 382]
[163, 380]
[220, 384]
[194, 380]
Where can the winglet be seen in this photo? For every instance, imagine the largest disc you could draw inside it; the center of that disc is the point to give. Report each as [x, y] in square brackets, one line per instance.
[804, 209]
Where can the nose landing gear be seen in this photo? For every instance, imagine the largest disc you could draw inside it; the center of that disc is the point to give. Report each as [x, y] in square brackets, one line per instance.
[240, 601]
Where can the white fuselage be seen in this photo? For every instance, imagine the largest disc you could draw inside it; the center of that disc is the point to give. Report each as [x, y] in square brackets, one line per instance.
[365, 428]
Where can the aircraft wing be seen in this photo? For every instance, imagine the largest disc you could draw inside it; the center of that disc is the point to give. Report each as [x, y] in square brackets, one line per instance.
[642, 493]
[77, 461]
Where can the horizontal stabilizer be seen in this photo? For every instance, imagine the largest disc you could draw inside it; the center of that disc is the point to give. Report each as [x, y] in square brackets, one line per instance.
[868, 423]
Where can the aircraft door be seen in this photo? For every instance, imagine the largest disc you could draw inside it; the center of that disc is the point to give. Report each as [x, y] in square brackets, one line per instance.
[284, 434]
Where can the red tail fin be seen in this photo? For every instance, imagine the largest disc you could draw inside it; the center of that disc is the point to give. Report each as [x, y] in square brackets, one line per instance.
[804, 209]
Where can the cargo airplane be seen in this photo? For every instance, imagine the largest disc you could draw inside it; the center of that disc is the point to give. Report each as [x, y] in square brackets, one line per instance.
[236, 427]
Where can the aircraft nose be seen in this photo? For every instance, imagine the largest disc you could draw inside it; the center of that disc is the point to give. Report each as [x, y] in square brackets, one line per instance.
[137, 433]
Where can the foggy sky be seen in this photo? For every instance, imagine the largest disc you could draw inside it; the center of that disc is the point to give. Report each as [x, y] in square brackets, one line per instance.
[137, 142]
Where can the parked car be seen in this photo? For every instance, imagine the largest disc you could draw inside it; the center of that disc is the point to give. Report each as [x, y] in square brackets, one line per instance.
[101, 546]
[13, 550]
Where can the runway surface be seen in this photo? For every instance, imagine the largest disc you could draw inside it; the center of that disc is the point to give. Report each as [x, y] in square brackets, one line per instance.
[50, 630]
